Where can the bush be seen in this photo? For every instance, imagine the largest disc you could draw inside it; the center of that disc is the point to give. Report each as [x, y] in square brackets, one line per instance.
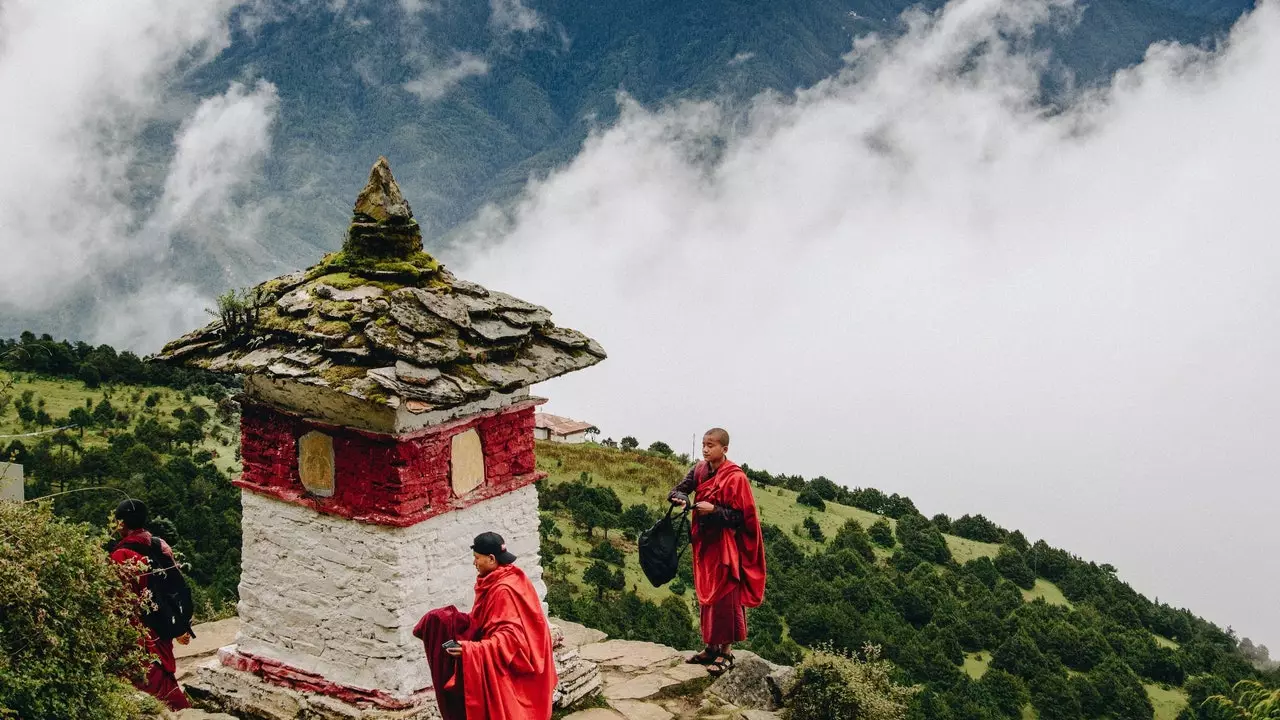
[607, 552]
[67, 639]
[881, 534]
[834, 686]
[812, 499]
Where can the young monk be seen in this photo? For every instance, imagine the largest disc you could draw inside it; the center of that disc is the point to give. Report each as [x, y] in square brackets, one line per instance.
[500, 665]
[129, 521]
[728, 550]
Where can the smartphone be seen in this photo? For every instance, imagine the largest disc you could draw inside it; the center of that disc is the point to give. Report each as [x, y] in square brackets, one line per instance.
[450, 644]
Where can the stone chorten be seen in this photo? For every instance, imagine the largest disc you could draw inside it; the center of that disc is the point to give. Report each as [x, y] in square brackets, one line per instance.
[386, 421]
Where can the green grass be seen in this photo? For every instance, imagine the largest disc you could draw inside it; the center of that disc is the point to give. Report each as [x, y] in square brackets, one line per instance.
[1047, 590]
[976, 664]
[1168, 702]
[61, 396]
[1163, 641]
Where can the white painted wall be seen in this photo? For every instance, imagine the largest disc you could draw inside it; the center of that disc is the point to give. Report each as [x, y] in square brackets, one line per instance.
[340, 598]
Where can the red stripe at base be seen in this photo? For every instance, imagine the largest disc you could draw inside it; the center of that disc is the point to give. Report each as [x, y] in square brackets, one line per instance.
[278, 673]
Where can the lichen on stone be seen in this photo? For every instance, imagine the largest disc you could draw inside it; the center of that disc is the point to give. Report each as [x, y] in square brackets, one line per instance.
[382, 303]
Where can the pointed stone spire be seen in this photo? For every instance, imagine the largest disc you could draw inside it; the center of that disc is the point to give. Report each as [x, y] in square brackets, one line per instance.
[382, 224]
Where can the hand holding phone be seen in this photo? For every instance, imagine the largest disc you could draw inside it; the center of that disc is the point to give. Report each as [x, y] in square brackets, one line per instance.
[453, 647]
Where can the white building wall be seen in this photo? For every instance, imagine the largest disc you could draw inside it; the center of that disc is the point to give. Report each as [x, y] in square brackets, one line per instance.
[340, 598]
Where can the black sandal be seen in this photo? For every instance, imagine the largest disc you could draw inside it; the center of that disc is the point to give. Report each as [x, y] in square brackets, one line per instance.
[721, 665]
[706, 657]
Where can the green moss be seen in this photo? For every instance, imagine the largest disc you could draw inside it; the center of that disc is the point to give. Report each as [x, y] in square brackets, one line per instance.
[270, 319]
[332, 327]
[340, 375]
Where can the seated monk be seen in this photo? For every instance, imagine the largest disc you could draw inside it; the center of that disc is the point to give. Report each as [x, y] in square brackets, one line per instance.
[500, 666]
[728, 550]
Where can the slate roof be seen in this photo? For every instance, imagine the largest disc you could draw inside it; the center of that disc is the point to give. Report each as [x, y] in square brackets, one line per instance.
[560, 425]
[383, 321]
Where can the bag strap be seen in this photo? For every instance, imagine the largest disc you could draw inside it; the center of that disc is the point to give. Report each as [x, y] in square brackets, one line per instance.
[682, 531]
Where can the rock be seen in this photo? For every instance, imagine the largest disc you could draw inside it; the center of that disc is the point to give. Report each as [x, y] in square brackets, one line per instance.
[594, 714]
[746, 684]
[575, 635]
[296, 302]
[446, 306]
[779, 682]
[381, 199]
[195, 714]
[755, 714]
[635, 710]
[639, 687]
[684, 673]
[409, 314]
[629, 654]
[496, 330]
[415, 375]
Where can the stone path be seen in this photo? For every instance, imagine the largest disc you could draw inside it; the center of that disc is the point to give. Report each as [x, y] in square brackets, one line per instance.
[640, 680]
[646, 681]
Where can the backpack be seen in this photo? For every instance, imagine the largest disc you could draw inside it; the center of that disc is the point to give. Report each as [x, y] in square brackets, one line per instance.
[661, 547]
[171, 616]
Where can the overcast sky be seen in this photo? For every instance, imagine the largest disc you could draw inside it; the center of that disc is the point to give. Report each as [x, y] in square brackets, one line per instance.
[914, 279]
[908, 277]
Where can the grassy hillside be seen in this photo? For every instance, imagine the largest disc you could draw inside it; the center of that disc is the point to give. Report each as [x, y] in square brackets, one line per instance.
[61, 395]
[642, 478]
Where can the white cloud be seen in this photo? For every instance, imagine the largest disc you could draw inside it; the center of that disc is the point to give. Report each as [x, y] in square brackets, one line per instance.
[435, 82]
[741, 58]
[913, 277]
[74, 213]
[513, 16]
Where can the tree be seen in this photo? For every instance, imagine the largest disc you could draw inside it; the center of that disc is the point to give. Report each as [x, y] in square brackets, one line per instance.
[1021, 656]
[189, 432]
[812, 499]
[630, 443]
[661, 448]
[851, 536]
[826, 489]
[675, 624]
[1007, 692]
[1053, 699]
[80, 418]
[636, 519]
[881, 534]
[607, 552]
[920, 537]
[90, 375]
[814, 529]
[942, 522]
[1012, 566]
[600, 577]
[43, 419]
[67, 639]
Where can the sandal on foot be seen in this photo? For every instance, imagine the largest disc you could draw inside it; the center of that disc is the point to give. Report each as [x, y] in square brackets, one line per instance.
[706, 657]
[721, 665]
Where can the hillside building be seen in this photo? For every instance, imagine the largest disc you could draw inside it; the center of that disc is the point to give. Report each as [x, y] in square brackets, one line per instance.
[386, 420]
[560, 429]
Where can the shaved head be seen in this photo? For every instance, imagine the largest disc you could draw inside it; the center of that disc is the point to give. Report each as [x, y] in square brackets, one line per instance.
[720, 435]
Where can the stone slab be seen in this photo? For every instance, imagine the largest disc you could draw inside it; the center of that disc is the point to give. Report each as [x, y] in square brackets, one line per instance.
[638, 687]
[209, 637]
[635, 710]
[575, 635]
[626, 654]
[595, 714]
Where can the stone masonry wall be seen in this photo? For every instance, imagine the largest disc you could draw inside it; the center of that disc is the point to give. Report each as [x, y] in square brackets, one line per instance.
[339, 598]
[389, 479]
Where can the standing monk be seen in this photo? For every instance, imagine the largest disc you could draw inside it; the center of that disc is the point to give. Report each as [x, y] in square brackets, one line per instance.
[161, 682]
[728, 551]
[496, 663]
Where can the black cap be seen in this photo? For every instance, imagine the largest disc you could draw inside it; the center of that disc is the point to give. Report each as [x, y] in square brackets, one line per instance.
[491, 543]
[133, 513]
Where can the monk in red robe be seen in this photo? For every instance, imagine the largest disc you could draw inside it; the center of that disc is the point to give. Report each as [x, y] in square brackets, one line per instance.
[499, 664]
[728, 549]
[161, 681]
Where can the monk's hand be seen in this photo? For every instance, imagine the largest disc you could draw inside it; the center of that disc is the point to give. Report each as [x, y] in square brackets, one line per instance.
[704, 508]
[455, 651]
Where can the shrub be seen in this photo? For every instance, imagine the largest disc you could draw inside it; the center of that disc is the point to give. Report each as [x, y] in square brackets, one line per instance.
[830, 685]
[812, 499]
[67, 639]
[881, 534]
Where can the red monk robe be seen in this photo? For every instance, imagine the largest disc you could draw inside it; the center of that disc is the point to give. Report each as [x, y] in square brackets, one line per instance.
[728, 551]
[161, 682]
[506, 671]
